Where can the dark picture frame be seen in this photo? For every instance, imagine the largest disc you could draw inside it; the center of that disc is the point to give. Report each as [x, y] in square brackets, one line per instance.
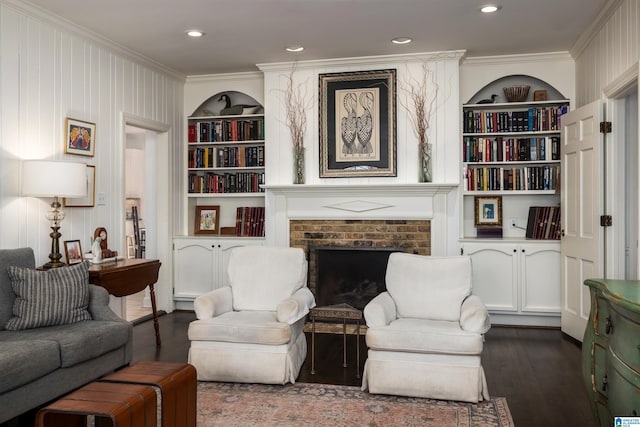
[73, 251]
[207, 220]
[358, 124]
[80, 137]
[488, 211]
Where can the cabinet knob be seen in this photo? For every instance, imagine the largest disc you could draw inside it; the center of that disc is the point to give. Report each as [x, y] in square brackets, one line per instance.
[609, 326]
[562, 232]
[523, 251]
[515, 250]
[604, 383]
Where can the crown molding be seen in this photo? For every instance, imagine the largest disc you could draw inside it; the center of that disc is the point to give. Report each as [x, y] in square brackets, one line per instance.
[517, 58]
[64, 25]
[363, 60]
[594, 28]
[248, 75]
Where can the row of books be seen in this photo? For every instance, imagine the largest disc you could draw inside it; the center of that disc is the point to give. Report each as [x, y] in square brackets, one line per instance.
[226, 130]
[225, 157]
[543, 223]
[528, 178]
[250, 221]
[534, 119]
[501, 149]
[239, 182]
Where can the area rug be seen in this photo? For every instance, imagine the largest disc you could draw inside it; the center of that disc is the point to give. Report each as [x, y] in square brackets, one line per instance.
[321, 405]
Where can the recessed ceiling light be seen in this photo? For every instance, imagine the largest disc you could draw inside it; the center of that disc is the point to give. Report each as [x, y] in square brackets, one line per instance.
[194, 33]
[490, 8]
[401, 40]
[295, 48]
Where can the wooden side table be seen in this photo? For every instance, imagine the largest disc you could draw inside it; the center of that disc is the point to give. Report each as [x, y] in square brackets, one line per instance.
[127, 277]
[338, 311]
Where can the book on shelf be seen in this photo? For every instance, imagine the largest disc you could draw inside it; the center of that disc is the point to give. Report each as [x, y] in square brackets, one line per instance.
[227, 130]
[543, 223]
[250, 221]
[534, 119]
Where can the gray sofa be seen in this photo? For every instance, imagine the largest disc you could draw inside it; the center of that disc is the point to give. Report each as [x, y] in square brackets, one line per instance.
[41, 364]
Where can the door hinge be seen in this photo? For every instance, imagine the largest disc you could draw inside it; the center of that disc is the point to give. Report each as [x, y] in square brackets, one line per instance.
[605, 127]
[606, 221]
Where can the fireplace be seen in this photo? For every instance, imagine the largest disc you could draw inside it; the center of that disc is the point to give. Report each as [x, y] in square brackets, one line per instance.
[348, 275]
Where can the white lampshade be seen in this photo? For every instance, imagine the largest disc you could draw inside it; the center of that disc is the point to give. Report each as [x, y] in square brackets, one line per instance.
[48, 178]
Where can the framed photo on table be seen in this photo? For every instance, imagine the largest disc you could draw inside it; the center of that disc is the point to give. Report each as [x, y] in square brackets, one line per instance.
[488, 211]
[207, 219]
[89, 200]
[358, 124]
[80, 137]
[73, 251]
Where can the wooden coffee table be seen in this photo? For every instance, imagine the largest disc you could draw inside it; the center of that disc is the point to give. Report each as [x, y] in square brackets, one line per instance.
[338, 311]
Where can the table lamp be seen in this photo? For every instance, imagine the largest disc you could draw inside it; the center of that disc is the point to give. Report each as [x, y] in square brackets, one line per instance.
[48, 178]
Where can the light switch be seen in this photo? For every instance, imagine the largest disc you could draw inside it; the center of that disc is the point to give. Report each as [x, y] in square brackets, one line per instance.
[101, 200]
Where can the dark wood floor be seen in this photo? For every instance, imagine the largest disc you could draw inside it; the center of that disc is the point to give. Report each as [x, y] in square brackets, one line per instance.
[537, 370]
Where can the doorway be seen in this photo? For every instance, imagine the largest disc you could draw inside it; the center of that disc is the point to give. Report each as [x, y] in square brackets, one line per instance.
[147, 209]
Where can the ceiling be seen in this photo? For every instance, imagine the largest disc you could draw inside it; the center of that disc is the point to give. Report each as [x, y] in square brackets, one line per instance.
[242, 33]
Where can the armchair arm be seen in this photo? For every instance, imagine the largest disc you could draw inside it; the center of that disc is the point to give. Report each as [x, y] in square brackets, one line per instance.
[474, 316]
[380, 311]
[99, 305]
[213, 303]
[296, 306]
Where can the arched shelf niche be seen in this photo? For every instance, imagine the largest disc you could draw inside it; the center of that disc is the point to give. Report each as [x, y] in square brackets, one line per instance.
[214, 104]
[496, 86]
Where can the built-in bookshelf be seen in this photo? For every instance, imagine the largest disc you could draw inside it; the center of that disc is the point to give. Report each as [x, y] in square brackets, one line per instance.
[225, 154]
[512, 147]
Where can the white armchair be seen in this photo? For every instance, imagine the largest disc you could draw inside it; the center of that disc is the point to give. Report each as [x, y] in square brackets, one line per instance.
[425, 333]
[252, 330]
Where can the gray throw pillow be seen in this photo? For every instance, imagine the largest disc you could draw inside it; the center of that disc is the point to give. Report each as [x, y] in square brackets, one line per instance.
[47, 298]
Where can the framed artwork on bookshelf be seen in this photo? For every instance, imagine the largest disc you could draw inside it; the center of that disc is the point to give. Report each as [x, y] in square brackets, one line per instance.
[488, 211]
[73, 251]
[207, 219]
[358, 124]
[80, 137]
[89, 200]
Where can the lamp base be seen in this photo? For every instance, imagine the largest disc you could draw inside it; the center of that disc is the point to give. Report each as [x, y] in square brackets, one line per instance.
[55, 256]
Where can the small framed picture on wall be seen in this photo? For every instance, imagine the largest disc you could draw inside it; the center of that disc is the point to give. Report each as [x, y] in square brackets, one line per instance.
[80, 137]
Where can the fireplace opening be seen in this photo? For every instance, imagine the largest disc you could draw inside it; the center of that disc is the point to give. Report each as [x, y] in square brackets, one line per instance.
[348, 275]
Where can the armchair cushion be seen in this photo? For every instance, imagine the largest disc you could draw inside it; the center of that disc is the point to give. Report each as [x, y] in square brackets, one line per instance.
[262, 277]
[474, 316]
[255, 327]
[49, 298]
[296, 306]
[424, 336]
[428, 287]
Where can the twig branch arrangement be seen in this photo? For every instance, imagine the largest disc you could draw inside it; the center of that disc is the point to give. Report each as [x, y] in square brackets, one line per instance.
[422, 95]
[296, 103]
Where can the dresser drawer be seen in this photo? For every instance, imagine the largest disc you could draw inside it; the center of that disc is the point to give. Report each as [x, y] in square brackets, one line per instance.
[624, 340]
[623, 388]
[601, 314]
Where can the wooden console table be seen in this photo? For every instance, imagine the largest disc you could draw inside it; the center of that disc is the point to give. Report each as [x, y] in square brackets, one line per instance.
[127, 277]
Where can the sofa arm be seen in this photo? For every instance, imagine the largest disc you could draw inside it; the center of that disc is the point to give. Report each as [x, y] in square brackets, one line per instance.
[474, 316]
[213, 303]
[296, 306]
[380, 311]
[99, 304]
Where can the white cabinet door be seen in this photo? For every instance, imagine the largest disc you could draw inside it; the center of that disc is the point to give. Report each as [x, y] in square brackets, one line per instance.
[200, 265]
[540, 277]
[494, 274]
[194, 267]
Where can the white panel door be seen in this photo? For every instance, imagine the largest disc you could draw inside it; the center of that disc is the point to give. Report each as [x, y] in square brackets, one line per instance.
[581, 199]
[540, 275]
[195, 267]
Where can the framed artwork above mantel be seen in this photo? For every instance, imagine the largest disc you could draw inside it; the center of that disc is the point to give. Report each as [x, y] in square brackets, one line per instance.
[358, 124]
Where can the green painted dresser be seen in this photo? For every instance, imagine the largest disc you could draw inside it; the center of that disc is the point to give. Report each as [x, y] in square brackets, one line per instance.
[611, 349]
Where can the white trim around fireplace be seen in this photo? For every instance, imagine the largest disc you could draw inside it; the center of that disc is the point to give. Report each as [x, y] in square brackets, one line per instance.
[388, 202]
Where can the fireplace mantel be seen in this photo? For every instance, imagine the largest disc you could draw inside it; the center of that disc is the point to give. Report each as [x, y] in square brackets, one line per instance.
[360, 201]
